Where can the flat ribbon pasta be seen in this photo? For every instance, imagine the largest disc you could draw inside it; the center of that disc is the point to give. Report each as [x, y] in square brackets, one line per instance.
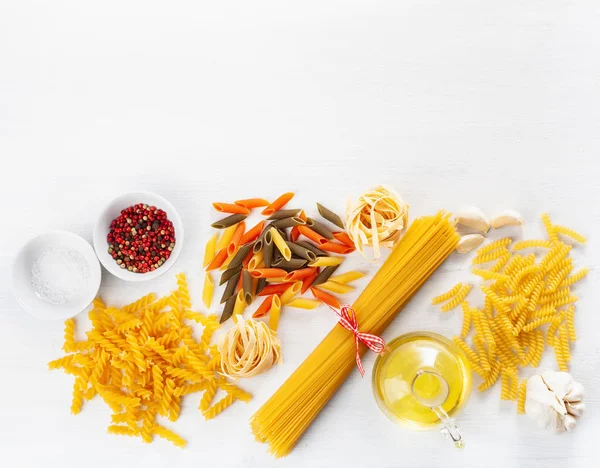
[249, 348]
[377, 219]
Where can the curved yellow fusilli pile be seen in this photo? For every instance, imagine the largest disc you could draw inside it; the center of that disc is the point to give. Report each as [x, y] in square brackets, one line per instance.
[142, 360]
[528, 300]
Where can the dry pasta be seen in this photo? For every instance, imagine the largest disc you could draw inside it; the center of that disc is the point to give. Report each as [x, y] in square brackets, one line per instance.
[527, 302]
[453, 291]
[209, 250]
[207, 290]
[456, 300]
[326, 262]
[249, 348]
[267, 258]
[377, 219]
[301, 303]
[528, 244]
[282, 420]
[334, 287]
[228, 223]
[274, 313]
[491, 256]
[570, 233]
[498, 244]
[280, 244]
[330, 216]
[347, 277]
[141, 360]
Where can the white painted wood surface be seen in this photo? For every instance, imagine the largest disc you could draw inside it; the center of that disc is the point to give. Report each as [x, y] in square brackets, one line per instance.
[450, 102]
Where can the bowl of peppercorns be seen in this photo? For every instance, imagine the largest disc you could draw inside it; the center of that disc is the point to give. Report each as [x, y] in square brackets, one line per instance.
[139, 236]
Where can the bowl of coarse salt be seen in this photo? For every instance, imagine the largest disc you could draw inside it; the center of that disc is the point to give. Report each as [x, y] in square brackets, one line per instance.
[56, 275]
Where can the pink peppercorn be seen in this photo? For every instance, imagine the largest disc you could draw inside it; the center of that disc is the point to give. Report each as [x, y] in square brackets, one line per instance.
[141, 238]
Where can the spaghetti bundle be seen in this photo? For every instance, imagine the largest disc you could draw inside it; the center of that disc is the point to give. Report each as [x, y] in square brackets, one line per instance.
[287, 414]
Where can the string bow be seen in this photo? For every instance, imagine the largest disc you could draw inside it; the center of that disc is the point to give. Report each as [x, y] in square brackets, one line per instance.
[349, 322]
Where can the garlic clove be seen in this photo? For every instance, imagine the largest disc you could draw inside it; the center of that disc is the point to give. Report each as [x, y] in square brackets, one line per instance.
[575, 394]
[473, 218]
[560, 383]
[569, 422]
[575, 408]
[469, 242]
[541, 404]
[507, 218]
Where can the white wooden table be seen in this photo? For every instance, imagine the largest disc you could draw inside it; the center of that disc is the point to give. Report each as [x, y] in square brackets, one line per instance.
[452, 103]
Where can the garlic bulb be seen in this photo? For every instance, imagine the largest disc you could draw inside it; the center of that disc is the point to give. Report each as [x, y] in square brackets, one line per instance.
[554, 400]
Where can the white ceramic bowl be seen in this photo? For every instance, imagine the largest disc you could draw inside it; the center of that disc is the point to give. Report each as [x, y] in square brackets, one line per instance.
[113, 210]
[23, 288]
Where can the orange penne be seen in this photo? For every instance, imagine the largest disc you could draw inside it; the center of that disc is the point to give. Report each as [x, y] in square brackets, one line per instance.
[278, 204]
[252, 203]
[240, 283]
[312, 235]
[306, 282]
[264, 308]
[252, 234]
[336, 248]
[219, 259]
[302, 215]
[235, 239]
[299, 274]
[328, 299]
[231, 208]
[344, 238]
[294, 234]
[277, 288]
[268, 273]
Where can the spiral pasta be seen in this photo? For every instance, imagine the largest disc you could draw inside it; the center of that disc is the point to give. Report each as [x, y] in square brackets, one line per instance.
[456, 301]
[501, 262]
[527, 301]
[169, 435]
[521, 397]
[528, 244]
[498, 244]
[219, 406]
[570, 233]
[467, 316]
[142, 303]
[69, 335]
[453, 291]
[490, 256]
[142, 360]
[549, 228]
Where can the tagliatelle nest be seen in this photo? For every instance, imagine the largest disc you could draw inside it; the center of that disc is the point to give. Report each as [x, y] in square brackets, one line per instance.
[249, 348]
[378, 219]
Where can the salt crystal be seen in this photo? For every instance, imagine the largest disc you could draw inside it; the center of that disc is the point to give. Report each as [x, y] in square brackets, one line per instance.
[60, 275]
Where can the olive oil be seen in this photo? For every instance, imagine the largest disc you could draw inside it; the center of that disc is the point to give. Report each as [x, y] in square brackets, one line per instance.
[418, 367]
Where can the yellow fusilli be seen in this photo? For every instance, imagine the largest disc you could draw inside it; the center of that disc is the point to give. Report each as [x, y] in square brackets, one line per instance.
[498, 244]
[521, 397]
[528, 301]
[456, 301]
[142, 360]
[447, 295]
